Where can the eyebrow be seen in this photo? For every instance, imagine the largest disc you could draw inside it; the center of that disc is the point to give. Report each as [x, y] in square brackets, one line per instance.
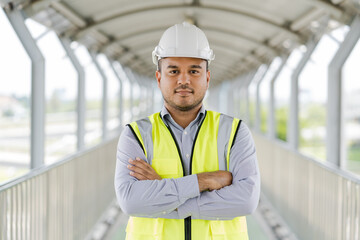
[172, 66]
[196, 66]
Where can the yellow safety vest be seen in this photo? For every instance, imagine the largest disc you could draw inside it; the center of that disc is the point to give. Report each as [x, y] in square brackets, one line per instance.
[208, 155]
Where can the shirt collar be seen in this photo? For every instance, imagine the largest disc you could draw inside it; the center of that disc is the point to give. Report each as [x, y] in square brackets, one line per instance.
[164, 112]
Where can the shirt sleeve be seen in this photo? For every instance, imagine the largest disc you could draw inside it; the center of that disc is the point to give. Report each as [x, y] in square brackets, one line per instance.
[241, 197]
[148, 198]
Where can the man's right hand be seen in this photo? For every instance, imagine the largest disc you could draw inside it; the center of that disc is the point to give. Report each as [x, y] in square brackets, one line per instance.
[214, 180]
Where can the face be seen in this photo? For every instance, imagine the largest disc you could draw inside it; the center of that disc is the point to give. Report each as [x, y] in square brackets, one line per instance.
[183, 82]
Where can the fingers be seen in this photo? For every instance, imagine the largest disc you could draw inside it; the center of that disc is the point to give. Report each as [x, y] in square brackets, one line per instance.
[137, 172]
[138, 176]
[140, 164]
[142, 170]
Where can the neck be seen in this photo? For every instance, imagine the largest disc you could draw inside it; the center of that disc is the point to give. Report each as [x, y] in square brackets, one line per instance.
[183, 118]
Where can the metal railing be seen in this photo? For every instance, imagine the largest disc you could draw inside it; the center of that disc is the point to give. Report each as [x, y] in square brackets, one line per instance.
[318, 201]
[61, 201]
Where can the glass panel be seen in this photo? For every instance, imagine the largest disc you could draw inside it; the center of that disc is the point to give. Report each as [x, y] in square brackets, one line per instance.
[15, 99]
[312, 99]
[93, 95]
[60, 94]
[351, 110]
[282, 93]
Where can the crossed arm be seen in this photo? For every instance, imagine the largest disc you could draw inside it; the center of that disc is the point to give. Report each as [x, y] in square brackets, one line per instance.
[207, 181]
[142, 193]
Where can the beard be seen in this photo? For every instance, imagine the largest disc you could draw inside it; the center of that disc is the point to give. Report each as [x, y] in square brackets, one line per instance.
[184, 107]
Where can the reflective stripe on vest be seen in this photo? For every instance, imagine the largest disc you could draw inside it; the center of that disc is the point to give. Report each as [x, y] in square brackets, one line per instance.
[211, 151]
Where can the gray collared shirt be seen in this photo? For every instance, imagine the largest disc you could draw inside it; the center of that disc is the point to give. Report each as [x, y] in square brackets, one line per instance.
[180, 198]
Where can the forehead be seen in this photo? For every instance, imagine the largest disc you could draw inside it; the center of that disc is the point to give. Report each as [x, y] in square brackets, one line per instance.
[182, 61]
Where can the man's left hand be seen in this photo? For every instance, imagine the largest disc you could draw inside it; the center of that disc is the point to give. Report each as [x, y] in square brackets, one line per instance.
[142, 170]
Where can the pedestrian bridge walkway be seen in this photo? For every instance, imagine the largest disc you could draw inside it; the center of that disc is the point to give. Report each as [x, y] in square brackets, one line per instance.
[71, 199]
[73, 73]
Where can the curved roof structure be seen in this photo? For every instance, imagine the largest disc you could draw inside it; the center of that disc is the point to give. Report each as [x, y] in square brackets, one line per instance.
[243, 34]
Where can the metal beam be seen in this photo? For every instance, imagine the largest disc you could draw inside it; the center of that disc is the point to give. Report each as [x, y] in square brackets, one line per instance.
[218, 31]
[251, 17]
[81, 102]
[104, 110]
[336, 154]
[17, 21]
[293, 122]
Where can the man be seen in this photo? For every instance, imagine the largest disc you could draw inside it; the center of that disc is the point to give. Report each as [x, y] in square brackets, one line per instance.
[186, 173]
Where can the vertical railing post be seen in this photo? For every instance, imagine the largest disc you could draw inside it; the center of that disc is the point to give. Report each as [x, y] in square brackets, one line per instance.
[293, 125]
[248, 80]
[104, 110]
[81, 102]
[336, 154]
[17, 20]
[259, 80]
[271, 119]
[120, 96]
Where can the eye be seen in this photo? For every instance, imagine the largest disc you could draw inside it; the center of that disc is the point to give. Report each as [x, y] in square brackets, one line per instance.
[194, 71]
[174, 71]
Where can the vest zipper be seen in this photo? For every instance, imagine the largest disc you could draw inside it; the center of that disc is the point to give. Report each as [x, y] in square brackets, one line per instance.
[187, 221]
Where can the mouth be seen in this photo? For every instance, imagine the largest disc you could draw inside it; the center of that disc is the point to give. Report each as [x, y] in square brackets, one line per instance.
[183, 92]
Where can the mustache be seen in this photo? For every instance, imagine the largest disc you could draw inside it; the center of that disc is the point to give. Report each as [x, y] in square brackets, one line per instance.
[182, 87]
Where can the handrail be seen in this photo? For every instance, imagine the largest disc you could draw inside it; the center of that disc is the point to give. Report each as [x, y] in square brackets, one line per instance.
[323, 164]
[37, 171]
[60, 201]
[316, 199]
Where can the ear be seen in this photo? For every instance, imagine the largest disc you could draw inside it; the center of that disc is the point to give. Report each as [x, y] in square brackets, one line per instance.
[158, 77]
[208, 78]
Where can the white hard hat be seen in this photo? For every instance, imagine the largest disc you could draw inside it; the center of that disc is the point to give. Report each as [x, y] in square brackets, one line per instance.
[183, 40]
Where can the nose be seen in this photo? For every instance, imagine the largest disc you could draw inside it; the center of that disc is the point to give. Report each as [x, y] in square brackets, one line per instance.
[183, 78]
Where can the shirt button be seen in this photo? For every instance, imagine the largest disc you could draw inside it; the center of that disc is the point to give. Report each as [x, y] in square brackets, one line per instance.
[187, 155]
[164, 213]
[185, 132]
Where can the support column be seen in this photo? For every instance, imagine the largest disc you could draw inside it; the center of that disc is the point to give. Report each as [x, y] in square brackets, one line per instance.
[154, 105]
[134, 80]
[248, 80]
[293, 124]
[104, 110]
[260, 77]
[240, 85]
[223, 99]
[131, 83]
[142, 100]
[120, 102]
[229, 94]
[271, 119]
[334, 150]
[37, 132]
[81, 102]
